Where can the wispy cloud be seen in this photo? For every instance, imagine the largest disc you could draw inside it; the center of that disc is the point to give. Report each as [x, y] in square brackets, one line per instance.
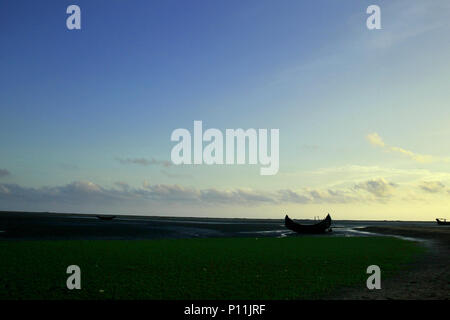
[377, 141]
[378, 187]
[144, 161]
[432, 186]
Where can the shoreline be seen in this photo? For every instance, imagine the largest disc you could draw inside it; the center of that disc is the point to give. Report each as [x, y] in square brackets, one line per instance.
[141, 216]
[425, 279]
[437, 234]
[60, 226]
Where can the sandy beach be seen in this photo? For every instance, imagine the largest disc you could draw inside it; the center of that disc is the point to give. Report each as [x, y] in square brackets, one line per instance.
[427, 279]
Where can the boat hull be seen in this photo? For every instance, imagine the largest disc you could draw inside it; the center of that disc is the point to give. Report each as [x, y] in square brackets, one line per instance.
[105, 217]
[321, 227]
[443, 223]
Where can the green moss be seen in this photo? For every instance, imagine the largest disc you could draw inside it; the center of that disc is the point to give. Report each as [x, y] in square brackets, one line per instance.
[233, 268]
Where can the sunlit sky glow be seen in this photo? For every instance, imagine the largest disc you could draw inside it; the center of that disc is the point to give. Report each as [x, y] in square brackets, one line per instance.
[86, 116]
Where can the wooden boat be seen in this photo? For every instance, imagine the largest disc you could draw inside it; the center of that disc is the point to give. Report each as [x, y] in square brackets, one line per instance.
[443, 222]
[321, 227]
[105, 217]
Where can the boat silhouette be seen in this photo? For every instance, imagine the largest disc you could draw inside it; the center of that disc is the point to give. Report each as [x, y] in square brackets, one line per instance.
[321, 227]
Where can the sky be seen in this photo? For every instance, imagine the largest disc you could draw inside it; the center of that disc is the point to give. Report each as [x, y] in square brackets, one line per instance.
[363, 115]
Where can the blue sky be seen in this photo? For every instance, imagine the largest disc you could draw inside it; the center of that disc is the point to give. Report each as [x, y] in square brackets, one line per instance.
[74, 102]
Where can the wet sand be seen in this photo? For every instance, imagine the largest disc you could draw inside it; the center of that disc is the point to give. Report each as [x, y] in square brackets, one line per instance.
[427, 279]
[67, 226]
[439, 234]
[62, 226]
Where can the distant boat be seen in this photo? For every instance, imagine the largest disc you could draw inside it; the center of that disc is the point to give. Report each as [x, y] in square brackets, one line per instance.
[443, 222]
[105, 217]
[321, 227]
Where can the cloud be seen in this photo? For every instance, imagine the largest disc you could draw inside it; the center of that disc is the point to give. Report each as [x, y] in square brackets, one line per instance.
[144, 162]
[72, 192]
[82, 192]
[432, 186]
[165, 192]
[380, 188]
[416, 157]
[309, 196]
[376, 140]
[237, 196]
[79, 195]
[350, 173]
[4, 173]
[288, 195]
[122, 185]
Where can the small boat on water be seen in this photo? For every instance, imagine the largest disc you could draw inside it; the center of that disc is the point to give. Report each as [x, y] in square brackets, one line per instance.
[321, 227]
[105, 217]
[443, 222]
